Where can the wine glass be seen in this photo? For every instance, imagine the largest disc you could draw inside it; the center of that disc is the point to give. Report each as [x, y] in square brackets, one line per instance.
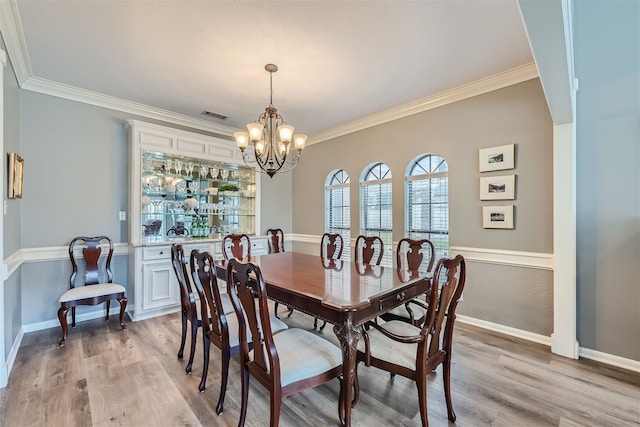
[203, 171]
[214, 173]
[224, 174]
[189, 168]
[234, 175]
[178, 166]
[167, 165]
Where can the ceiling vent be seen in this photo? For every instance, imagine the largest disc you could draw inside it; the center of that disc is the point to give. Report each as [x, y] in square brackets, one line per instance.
[214, 115]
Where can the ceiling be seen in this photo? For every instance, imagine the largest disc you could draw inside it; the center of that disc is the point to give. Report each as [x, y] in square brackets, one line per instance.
[339, 61]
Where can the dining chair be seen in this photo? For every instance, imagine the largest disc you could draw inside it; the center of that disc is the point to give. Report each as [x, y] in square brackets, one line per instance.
[188, 307]
[415, 255]
[236, 246]
[95, 286]
[219, 326]
[401, 348]
[275, 238]
[368, 250]
[331, 246]
[285, 363]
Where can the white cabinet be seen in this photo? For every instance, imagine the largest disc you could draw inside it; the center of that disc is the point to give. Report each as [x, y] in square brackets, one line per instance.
[181, 181]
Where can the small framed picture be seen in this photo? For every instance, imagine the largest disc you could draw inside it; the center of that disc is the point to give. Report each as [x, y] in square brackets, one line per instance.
[14, 181]
[497, 187]
[497, 217]
[496, 158]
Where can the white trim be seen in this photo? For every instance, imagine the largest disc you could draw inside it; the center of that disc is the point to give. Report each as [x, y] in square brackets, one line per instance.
[507, 330]
[48, 87]
[11, 27]
[80, 317]
[565, 308]
[488, 84]
[8, 364]
[11, 264]
[304, 238]
[610, 359]
[62, 252]
[498, 256]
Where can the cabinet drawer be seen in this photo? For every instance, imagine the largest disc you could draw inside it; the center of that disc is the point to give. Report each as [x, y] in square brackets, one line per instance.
[258, 246]
[156, 252]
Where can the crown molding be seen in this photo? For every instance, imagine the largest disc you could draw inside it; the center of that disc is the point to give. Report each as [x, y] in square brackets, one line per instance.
[11, 29]
[488, 84]
[48, 87]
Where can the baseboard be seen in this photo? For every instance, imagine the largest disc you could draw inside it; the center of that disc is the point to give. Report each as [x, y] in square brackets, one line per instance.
[507, 330]
[8, 364]
[610, 359]
[80, 317]
[585, 353]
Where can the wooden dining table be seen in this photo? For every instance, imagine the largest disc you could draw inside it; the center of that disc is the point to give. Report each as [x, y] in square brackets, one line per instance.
[342, 293]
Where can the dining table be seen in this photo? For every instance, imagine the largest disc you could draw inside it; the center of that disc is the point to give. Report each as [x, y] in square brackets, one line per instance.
[343, 293]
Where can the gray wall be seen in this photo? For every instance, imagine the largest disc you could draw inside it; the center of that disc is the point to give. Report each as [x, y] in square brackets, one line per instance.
[607, 63]
[517, 114]
[12, 220]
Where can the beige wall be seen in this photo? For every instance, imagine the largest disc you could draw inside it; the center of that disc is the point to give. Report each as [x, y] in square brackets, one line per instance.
[517, 114]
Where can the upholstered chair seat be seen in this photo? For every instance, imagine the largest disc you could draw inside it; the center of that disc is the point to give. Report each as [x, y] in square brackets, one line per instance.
[92, 292]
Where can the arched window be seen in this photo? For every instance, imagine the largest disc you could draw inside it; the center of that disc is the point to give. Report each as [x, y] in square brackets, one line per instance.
[376, 207]
[338, 206]
[427, 195]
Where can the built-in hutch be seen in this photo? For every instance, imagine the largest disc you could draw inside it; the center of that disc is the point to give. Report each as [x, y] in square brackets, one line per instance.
[186, 188]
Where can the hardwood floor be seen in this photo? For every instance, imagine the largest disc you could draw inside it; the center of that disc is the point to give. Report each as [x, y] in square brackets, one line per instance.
[105, 376]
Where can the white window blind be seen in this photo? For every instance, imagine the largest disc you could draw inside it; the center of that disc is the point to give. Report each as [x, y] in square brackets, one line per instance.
[376, 217]
[428, 202]
[338, 207]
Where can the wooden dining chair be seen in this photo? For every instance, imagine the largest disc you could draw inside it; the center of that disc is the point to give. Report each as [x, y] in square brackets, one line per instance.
[331, 247]
[275, 238]
[285, 363]
[236, 246]
[368, 250]
[95, 286]
[188, 307]
[220, 324]
[415, 255]
[401, 348]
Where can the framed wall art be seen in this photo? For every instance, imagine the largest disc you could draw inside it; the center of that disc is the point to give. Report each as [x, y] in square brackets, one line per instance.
[497, 158]
[497, 187]
[14, 183]
[497, 217]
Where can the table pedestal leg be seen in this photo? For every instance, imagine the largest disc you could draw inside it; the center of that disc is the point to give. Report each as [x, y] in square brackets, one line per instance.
[348, 334]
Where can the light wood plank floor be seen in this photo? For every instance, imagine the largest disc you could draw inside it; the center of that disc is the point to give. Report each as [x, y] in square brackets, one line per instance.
[105, 377]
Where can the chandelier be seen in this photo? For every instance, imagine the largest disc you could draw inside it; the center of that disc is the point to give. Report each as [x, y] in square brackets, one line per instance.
[271, 137]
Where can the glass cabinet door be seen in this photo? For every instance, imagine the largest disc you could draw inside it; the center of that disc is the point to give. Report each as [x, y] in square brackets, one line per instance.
[188, 197]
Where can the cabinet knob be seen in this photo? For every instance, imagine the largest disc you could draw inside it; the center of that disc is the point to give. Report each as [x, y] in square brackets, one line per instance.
[161, 253]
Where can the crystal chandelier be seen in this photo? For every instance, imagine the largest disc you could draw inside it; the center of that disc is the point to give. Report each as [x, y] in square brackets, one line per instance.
[271, 138]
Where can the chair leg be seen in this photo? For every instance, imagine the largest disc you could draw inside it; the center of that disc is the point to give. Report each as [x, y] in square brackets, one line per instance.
[290, 312]
[73, 317]
[205, 369]
[276, 403]
[194, 337]
[245, 396]
[341, 412]
[446, 368]
[356, 387]
[62, 317]
[421, 383]
[123, 308]
[108, 309]
[275, 309]
[226, 356]
[184, 335]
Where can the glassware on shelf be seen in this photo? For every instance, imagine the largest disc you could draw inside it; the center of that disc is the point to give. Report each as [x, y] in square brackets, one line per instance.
[194, 186]
[203, 171]
[181, 186]
[234, 175]
[178, 166]
[147, 164]
[189, 168]
[214, 173]
[224, 174]
[167, 165]
[155, 184]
